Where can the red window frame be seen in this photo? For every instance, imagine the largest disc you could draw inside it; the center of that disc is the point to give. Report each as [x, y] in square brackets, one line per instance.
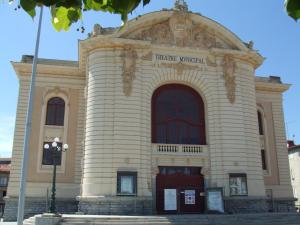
[201, 125]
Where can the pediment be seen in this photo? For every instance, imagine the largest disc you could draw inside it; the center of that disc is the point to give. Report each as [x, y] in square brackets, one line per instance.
[182, 29]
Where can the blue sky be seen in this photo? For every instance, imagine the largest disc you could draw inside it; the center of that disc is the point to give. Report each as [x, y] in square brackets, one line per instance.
[275, 35]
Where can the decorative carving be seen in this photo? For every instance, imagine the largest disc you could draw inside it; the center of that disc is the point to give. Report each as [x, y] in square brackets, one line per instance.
[181, 5]
[179, 67]
[250, 45]
[181, 26]
[178, 30]
[129, 66]
[148, 56]
[96, 31]
[201, 38]
[229, 67]
[211, 61]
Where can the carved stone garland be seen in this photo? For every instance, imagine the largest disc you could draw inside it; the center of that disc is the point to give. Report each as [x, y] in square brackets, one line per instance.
[229, 67]
[129, 56]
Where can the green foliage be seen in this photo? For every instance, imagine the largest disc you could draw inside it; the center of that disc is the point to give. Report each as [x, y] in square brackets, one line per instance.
[293, 8]
[66, 12]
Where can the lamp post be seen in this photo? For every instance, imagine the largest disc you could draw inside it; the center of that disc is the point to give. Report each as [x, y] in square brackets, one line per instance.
[55, 148]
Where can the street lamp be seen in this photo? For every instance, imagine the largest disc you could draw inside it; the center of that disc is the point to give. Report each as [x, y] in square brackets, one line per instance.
[55, 148]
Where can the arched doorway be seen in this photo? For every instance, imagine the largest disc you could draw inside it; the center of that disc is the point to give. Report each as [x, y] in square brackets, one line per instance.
[178, 117]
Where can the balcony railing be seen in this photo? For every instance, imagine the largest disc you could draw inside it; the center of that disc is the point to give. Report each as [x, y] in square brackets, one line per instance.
[178, 149]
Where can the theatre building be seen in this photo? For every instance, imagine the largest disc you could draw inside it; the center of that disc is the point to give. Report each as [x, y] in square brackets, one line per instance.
[155, 114]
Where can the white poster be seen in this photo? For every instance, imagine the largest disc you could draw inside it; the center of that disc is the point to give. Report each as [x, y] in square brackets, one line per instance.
[170, 199]
[127, 184]
[189, 197]
[215, 201]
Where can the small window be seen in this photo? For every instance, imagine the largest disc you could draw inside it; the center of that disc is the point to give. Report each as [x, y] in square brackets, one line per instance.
[55, 112]
[238, 184]
[48, 155]
[3, 181]
[263, 159]
[127, 183]
[260, 123]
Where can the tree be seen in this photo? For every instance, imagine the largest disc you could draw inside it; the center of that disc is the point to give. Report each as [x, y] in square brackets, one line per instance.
[66, 12]
[293, 8]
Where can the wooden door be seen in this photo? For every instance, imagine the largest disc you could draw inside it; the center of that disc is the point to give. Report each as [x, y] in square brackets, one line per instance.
[188, 190]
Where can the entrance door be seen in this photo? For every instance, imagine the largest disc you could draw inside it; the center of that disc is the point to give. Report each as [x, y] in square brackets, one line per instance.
[179, 192]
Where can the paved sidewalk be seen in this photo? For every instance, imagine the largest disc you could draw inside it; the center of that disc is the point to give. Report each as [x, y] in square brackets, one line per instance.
[8, 223]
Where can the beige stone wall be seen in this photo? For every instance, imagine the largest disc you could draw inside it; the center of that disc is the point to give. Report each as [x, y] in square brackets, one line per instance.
[116, 138]
[118, 130]
[39, 177]
[294, 161]
[278, 178]
[108, 112]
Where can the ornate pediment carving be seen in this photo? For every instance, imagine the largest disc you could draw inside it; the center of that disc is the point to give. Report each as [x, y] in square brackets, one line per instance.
[178, 30]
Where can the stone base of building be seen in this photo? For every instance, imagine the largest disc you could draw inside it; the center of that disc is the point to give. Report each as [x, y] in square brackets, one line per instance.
[35, 206]
[282, 205]
[258, 205]
[120, 205]
[245, 205]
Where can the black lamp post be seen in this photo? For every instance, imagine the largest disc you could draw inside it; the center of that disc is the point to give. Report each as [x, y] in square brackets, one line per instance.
[55, 149]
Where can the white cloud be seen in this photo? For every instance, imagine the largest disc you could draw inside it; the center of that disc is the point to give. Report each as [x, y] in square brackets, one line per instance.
[7, 124]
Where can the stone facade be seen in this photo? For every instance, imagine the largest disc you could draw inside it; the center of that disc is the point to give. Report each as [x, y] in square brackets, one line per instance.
[294, 160]
[108, 95]
[37, 205]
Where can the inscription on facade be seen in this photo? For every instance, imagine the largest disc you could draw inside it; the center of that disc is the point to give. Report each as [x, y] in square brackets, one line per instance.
[180, 63]
[180, 59]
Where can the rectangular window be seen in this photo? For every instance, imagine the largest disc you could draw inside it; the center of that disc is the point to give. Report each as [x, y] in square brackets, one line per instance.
[3, 181]
[263, 159]
[127, 183]
[238, 184]
[48, 154]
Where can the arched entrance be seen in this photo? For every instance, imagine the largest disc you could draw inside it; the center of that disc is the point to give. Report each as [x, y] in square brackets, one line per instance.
[178, 118]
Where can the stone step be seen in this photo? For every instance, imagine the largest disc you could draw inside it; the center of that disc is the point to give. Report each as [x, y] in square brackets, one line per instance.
[246, 219]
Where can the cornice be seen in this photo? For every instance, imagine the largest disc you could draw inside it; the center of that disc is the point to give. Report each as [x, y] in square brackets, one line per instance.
[25, 69]
[271, 87]
[110, 42]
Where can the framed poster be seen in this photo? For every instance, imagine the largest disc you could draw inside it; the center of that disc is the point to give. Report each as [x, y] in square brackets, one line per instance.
[214, 200]
[189, 197]
[170, 199]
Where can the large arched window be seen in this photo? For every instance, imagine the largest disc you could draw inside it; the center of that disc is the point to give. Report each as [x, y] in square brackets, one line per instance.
[55, 111]
[177, 116]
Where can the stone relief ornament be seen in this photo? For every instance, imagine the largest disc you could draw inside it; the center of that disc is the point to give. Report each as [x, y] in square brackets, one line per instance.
[148, 56]
[181, 26]
[178, 30]
[129, 56]
[181, 5]
[211, 61]
[229, 67]
[179, 67]
[96, 31]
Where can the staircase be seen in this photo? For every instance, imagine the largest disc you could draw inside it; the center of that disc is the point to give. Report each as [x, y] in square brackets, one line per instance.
[241, 219]
[30, 220]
